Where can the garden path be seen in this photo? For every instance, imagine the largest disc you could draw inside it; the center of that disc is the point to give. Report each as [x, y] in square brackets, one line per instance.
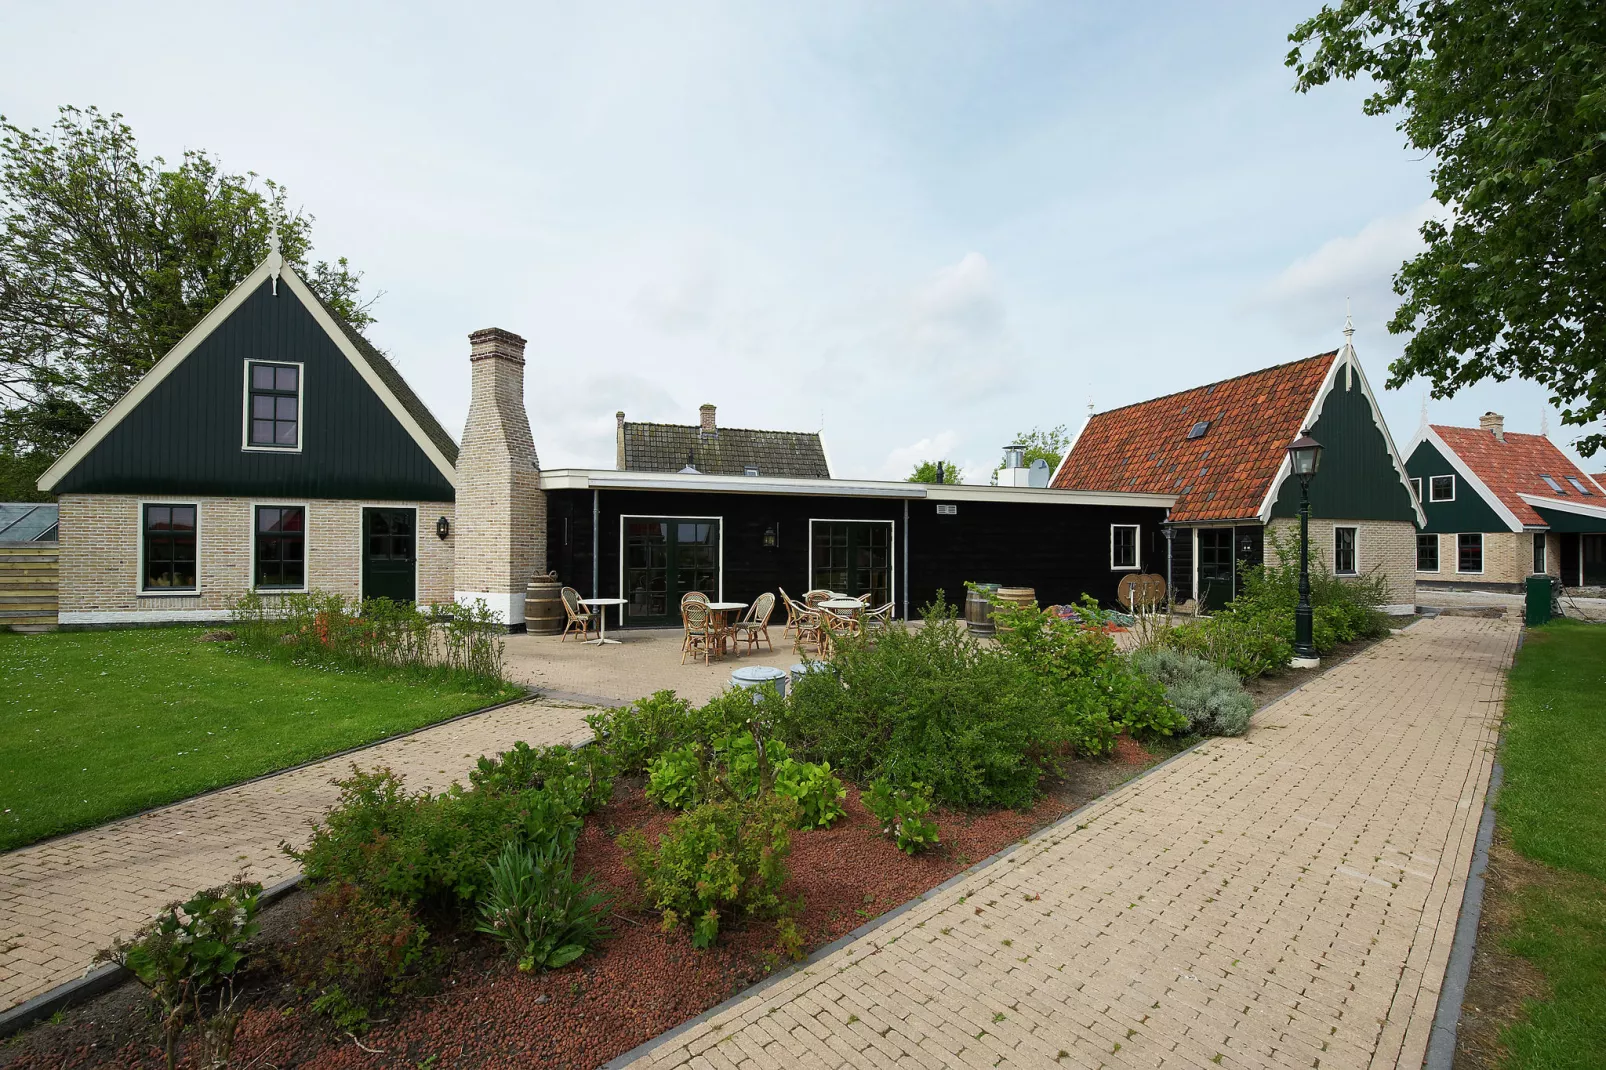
[1286, 899]
[63, 899]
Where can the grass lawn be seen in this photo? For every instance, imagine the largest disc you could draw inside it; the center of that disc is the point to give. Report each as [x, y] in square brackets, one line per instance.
[96, 725]
[1550, 908]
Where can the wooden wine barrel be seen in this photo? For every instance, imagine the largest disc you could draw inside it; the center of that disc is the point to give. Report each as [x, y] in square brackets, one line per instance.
[543, 607]
[1021, 596]
[979, 609]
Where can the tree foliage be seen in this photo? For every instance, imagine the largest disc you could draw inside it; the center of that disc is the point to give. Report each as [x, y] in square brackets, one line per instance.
[926, 472]
[1041, 444]
[107, 259]
[1508, 98]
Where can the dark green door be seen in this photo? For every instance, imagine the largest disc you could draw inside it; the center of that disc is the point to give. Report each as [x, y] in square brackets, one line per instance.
[853, 558]
[1593, 549]
[1216, 561]
[390, 554]
[665, 557]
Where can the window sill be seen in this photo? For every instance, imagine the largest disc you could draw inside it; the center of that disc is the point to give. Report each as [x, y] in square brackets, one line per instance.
[278, 590]
[1347, 575]
[171, 592]
[271, 449]
[1126, 568]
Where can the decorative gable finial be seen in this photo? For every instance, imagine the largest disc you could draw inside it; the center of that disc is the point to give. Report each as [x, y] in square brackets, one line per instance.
[1349, 326]
[275, 256]
[1544, 423]
[1424, 408]
[1348, 353]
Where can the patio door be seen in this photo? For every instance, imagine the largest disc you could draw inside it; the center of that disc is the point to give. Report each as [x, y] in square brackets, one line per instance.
[665, 557]
[852, 557]
[1593, 553]
[1216, 568]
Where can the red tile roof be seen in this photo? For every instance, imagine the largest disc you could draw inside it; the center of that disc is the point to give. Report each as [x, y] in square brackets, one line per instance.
[1515, 467]
[1222, 475]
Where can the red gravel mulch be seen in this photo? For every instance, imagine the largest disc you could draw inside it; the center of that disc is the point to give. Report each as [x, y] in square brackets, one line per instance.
[638, 984]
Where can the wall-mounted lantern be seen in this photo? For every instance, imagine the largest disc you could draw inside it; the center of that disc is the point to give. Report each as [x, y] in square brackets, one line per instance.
[772, 536]
[443, 527]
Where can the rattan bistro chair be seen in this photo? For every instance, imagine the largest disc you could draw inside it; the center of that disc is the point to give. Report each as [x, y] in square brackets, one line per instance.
[878, 619]
[693, 596]
[791, 606]
[832, 627]
[815, 597]
[701, 637]
[756, 625]
[579, 616]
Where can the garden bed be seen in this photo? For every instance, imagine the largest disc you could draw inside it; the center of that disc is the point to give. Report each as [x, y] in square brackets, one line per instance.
[640, 983]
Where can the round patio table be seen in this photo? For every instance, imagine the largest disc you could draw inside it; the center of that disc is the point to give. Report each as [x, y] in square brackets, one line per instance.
[843, 605]
[723, 610]
[602, 605]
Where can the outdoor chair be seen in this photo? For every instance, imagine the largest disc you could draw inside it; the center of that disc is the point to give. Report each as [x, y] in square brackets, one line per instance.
[756, 625]
[579, 616]
[693, 596]
[832, 626]
[867, 597]
[701, 636]
[808, 626]
[816, 596]
[878, 619]
[791, 614]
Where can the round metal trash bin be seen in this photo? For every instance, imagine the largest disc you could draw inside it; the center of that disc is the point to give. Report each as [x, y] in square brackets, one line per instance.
[751, 676]
[803, 668]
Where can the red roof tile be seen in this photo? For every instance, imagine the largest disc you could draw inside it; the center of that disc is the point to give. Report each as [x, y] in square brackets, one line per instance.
[1516, 467]
[1222, 475]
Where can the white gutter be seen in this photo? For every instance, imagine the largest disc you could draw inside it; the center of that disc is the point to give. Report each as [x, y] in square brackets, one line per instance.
[1594, 512]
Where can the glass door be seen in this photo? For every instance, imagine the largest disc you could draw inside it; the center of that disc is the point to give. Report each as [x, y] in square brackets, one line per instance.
[852, 557]
[665, 557]
[1216, 567]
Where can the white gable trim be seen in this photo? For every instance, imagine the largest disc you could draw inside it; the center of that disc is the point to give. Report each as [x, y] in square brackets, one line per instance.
[199, 333]
[1346, 361]
[1470, 478]
[1594, 512]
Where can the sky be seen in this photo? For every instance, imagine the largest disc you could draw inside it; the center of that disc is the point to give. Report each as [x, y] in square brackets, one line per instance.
[920, 228]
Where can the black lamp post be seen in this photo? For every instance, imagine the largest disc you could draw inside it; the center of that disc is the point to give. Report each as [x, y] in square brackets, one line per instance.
[1305, 455]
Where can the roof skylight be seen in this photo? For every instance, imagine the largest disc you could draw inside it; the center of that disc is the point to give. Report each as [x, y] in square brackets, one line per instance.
[1575, 482]
[1198, 429]
[1557, 487]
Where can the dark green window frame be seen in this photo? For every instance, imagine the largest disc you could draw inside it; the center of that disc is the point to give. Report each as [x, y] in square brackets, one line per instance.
[1346, 550]
[1427, 552]
[273, 405]
[168, 549]
[280, 559]
[1469, 552]
[1539, 553]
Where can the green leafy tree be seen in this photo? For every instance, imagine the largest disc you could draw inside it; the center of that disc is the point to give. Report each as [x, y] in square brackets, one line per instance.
[1508, 99]
[926, 472]
[1041, 444]
[107, 259]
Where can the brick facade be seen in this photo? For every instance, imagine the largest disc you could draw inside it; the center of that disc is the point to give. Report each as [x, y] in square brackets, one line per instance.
[1387, 547]
[100, 555]
[1507, 560]
[501, 512]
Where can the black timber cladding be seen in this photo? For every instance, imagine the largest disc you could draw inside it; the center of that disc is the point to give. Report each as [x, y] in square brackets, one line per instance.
[185, 436]
[726, 452]
[1060, 549]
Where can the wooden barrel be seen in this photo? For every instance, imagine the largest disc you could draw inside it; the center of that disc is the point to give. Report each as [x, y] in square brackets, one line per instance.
[543, 606]
[979, 608]
[1020, 596]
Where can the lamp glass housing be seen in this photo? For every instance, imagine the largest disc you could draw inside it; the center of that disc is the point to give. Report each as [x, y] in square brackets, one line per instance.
[1305, 455]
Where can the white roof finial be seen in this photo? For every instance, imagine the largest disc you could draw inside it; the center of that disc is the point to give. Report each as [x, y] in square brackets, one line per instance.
[275, 256]
[1424, 408]
[1544, 423]
[1349, 326]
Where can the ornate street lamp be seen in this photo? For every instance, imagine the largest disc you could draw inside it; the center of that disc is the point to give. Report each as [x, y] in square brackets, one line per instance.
[1305, 456]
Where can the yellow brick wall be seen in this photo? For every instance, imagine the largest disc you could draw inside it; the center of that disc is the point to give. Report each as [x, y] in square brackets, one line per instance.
[1387, 547]
[1507, 559]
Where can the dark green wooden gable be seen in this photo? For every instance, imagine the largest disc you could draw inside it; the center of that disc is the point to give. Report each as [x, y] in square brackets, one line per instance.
[185, 436]
[1469, 511]
[1358, 480]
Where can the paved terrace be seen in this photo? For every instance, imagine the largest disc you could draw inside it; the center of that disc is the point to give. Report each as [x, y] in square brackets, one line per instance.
[1282, 900]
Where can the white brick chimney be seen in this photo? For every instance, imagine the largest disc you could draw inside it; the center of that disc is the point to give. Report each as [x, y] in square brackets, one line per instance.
[1495, 424]
[706, 421]
[501, 512]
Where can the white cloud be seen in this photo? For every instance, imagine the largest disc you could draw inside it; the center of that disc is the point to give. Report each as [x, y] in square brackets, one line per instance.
[902, 460]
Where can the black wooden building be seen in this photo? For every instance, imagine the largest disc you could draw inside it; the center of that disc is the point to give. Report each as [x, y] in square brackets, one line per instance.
[650, 537]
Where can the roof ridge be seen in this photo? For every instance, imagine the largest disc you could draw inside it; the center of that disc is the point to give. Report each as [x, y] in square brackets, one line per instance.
[698, 427]
[1220, 382]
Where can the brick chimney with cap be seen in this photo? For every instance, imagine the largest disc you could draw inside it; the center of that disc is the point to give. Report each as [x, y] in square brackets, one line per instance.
[1495, 424]
[619, 440]
[501, 512]
[707, 427]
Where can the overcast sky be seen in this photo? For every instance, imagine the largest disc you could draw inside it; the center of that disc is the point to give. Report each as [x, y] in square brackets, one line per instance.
[922, 227]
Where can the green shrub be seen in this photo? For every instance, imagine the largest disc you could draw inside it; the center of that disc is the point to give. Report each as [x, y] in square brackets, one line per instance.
[674, 778]
[422, 849]
[902, 813]
[538, 910]
[720, 858]
[636, 734]
[1212, 698]
[189, 951]
[1245, 644]
[354, 953]
[931, 705]
[581, 776]
[816, 791]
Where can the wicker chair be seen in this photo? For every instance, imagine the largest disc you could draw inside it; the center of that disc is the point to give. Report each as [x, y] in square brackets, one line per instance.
[878, 619]
[701, 636]
[791, 607]
[808, 626]
[756, 625]
[694, 596]
[816, 596]
[579, 616]
[833, 626]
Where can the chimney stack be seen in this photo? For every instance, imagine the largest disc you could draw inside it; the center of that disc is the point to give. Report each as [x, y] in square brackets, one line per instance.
[619, 440]
[1495, 424]
[707, 414]
[501, 512]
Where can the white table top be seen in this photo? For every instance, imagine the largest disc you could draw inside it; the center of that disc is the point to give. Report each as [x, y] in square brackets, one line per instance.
[727, 605]
[842, 603]
[603, 601]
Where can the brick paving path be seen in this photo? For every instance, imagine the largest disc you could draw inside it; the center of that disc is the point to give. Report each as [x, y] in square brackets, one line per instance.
[1282, 900]
[63, 899]
[646, 660]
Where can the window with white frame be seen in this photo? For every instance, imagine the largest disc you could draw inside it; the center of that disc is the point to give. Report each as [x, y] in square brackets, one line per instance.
[1344, 540]
[1469, 552]
[1123, 546]
[273, 405]
[1441, 489]
[1427, 552]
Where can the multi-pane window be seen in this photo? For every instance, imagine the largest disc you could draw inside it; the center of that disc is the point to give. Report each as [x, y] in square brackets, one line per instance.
[274, 405]
[169, 540]
[1427, 552]
[852, 558]
[281, 547]
[1539, 553]
[1344, 551]
[1441, 489]
[1469, 552]
[1123, 546]
[1416, 487]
